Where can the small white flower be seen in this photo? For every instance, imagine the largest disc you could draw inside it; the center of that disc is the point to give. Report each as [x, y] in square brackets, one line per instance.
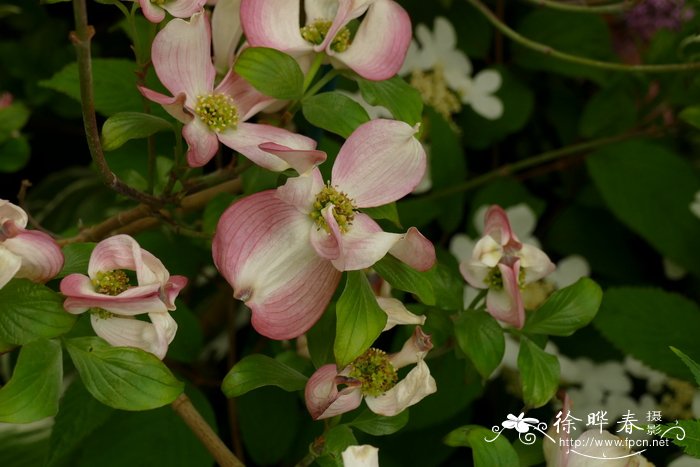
[437, 62]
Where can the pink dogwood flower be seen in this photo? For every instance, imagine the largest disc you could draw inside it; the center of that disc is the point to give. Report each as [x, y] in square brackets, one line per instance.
[182, 59]
[113, 301]
[376, 51]
[154, 10]
[283, 250]
[503, 265]
[28, 254]
[373, 376]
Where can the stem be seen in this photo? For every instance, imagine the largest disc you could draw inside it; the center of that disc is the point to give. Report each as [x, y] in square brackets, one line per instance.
[81, 41]
[509, 169]
[595, 9]
[477, 299]
[184, 408]
[311, 74]
[547, 50]
[142, 217]
[321, 82]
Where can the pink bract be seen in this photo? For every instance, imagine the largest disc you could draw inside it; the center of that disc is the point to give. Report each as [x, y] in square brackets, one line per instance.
[502, 264]
[376, 52]
[178, 8]
[181, 56]
[284, 265]
[112, 315]
[28, 254]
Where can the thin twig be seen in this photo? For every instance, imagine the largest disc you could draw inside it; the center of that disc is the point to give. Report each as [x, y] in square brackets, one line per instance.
[21, 199]
[594, 9]
[536, 160]
[81, 38]
[547, 50]
[223, 456]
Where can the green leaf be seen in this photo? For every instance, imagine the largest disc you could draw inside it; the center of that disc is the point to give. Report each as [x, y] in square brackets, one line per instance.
[30, 311]
[405, 278]
[77, 257]
[627, 315]
[14, 154]
[566, 310]
[486, 453]
[258, 370]
[400, 98]
[12, 118]
[379, 425]
[334, 112]
[689, 430]
[447, 282]
[539, 373]
[583, 35]
[649, 188]
[337, 439]
[480, 337]
[123, 377]
[33, 391]
[360, 320]
[188, 342]
[270, 422]
[689, 362]
[387, 211]
[214, 210]
[271, 72]
[114, 82]
[610, 112]
[25, 446]
[691, 115]
[80, 415]
[150, 438]
[125, 126]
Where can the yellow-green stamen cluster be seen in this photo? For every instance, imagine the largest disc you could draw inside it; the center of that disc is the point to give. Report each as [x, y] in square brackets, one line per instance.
[111, 282]
[343, 209]
[159, 2]
[374, 370]
[217, 111]
[433, 89]
[101, 313]
[494, 278]
[316, 31]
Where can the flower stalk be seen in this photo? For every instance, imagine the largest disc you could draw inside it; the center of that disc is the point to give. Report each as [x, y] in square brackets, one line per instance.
[194, 420]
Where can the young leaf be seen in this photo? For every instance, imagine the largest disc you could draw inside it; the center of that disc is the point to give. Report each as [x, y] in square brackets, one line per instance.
[406, 278]
[686, 434]
[77, 257]
[320, 338]
[481, 338]
[379, 425]
[257, 370]
[125, 126]
[360, 320]
[539, 373]
[566, 310]
[123, 377]
[334, 112]
[487, 453]
[403, 101]
[15, 154]
[689, 362]
[691, 115]
[271, 72]
[33, 391]
[30, 311]
[12, 118]
[628, 313]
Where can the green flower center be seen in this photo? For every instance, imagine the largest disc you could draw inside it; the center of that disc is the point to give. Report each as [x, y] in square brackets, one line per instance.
[159, 2]
[316, 31]
[374, 370]
[494, 278]
[343, 209]
[111, 282]
[101, 313]
[217, 111]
